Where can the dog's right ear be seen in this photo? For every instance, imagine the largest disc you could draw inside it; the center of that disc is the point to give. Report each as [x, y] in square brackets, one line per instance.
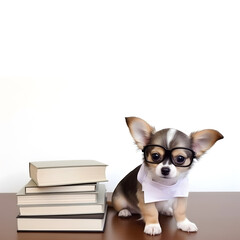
[140, 130]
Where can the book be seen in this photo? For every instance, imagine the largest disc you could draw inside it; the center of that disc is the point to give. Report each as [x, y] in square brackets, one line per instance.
[67, 172]
[67, 209]
[55, 198]
[32, 187]
[88, 222]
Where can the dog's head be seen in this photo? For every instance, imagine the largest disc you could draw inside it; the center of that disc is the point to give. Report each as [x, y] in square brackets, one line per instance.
[169, 153]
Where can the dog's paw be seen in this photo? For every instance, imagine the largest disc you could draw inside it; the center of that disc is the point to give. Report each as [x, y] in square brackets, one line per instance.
[187, 226]
[153, 229]
[124, 213]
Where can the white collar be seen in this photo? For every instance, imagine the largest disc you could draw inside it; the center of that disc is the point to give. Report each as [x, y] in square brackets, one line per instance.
[155, 191]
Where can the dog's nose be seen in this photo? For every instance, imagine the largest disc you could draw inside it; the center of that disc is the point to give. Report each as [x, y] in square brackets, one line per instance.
[165, 171]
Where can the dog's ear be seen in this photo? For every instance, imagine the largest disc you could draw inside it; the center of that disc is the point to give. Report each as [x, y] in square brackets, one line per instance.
[204, 140]
[140, 130]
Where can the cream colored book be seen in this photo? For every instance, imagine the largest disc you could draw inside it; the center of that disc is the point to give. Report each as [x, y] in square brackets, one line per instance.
[88, 222]
[67, 209]
[32, 187]
[55, 198]
[67, 172]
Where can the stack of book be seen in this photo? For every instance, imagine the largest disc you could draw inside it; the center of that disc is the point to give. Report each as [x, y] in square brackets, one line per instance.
[63, 196]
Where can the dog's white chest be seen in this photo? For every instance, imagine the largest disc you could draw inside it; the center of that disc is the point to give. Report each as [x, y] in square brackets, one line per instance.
[165, 207]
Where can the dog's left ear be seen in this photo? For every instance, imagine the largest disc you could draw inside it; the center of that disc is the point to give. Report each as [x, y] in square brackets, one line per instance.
[204, 140]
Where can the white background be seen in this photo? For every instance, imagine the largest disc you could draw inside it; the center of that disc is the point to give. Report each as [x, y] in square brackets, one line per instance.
[71, 71]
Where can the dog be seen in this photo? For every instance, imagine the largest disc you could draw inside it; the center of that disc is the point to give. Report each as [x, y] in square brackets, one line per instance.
[160, 183]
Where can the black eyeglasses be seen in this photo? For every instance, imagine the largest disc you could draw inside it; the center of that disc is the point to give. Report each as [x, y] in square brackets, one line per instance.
[179, 156]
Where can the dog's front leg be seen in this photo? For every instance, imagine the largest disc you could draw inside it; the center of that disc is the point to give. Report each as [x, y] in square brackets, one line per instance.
[150, 215]
[180, 206]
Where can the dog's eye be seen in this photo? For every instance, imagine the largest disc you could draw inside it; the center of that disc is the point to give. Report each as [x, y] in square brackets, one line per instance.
[156, 157]
[180, 159]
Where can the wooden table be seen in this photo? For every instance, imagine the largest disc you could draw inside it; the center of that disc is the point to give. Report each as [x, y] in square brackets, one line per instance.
[217, 216]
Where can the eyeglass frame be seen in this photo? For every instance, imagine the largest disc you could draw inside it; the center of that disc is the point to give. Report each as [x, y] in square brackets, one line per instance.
[168, 153]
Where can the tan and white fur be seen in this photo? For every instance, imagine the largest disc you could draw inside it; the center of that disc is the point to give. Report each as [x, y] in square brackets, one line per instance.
[128, 196]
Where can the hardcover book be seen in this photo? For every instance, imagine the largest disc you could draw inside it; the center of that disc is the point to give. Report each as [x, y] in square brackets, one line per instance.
[55, 198]
[32, 187]
[66, 172]
[88, 222]
[67, 209]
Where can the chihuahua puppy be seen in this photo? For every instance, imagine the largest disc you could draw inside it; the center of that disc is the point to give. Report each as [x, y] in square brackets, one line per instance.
[160, 183]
